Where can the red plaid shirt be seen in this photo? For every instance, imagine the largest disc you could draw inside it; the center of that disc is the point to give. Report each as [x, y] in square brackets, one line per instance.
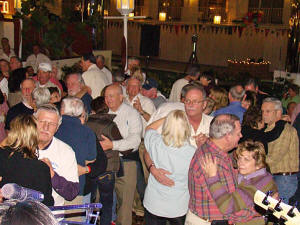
[201, 202]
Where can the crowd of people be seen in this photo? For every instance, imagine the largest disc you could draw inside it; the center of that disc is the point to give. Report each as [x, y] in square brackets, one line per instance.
[194, 158]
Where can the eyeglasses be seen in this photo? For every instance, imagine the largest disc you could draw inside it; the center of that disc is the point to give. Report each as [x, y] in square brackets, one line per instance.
[193, 102]
[47, 123]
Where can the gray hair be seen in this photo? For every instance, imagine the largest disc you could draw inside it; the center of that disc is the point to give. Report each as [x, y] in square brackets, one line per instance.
[277, 103]
[237, 94]
[72, 106]
[49, 108]
[79, 77]
[101, 57]
[222, 125]
[192, 86]
[41, 96]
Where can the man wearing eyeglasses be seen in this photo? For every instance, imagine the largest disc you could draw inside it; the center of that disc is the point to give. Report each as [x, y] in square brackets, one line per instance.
[59, 156]
[194, 105]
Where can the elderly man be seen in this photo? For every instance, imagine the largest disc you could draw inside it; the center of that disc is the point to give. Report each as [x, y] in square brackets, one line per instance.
[15, 63]
[141, 103]
[283, 153]
[76, 88]
[192, 74]
[194, 105]
[149, 90]
[59, 156]
[134, 64]
[6, 52]
[129, 123]
[235, 95]
[81, 139]
[224, 132]
[24, 107]
[93, 76]
[43, 76]
[100, 61]
[36, 58]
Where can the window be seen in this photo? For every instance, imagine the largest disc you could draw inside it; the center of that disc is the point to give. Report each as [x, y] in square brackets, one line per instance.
[139, 7]
[210, 8]
[272, 10]
[172, 8]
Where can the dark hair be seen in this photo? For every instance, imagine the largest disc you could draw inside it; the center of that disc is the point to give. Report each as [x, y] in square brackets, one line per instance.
[294, 87]
[119, 76]
[26, 213]
[251, 97]
[90, 57]
[98, 105]
[4, 60]
[15, 79]
[194, 70]
[53, 90]
[1, 97]
[252, 117]
[251, 81]
[209, 76]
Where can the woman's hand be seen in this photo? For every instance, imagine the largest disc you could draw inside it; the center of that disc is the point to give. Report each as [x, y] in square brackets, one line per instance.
[209, 166]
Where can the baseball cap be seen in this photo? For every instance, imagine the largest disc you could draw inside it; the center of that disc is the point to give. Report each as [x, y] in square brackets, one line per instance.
[46, 67]
[150, 83]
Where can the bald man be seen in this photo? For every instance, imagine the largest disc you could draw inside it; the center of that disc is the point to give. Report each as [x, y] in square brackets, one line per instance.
[130, 125]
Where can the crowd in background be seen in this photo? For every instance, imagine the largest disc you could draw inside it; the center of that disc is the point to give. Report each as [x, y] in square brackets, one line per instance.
[196, 157]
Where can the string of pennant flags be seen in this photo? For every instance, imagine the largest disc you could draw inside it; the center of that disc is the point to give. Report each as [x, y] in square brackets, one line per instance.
[196, 28]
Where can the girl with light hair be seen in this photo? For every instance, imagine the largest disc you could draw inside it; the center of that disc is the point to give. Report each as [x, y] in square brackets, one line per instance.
[170, 151]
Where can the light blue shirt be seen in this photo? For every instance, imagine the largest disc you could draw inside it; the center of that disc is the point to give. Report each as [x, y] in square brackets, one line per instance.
[159, 199]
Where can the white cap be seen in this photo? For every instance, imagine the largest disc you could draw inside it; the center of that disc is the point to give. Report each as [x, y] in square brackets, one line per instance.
[46, 67]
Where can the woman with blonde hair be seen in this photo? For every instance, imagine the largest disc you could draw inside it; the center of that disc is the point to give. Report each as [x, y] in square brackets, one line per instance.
[171, 151]
[19, 160]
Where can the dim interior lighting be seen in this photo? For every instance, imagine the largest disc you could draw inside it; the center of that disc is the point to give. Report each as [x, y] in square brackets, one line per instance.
[4, 7]
[131, 15]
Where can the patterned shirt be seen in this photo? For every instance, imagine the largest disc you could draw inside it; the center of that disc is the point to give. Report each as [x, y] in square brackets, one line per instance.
[201, 201]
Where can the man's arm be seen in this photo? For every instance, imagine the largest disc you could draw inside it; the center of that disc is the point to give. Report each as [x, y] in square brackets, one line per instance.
[67, 189]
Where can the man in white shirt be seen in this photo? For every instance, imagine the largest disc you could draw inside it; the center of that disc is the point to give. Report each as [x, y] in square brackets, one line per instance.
[129, 123]
[141, 103]
[59, 156]
[93, 77]
[194, 104]
[192, 74]
[36, 58]
[100, 60]
[6, 52]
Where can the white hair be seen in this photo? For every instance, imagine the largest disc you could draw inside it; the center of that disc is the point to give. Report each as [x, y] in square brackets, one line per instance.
[222, 125]
[72, 106]
[277, 103]
[49, 108]
[41, 96]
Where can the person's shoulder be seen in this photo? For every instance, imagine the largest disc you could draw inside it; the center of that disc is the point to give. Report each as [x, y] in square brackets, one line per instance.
[207, 118]
[61, 147]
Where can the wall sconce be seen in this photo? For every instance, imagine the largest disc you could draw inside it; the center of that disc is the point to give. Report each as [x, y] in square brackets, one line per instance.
[4, 7]
[162, 16]
[105, 12]
[217, 19]
[125, 6]
[131, 15]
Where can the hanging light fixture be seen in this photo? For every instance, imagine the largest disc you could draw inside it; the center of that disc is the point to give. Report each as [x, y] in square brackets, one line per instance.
[125, 6]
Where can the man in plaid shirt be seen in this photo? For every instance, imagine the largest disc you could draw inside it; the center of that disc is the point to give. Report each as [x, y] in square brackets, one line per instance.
[225, 133]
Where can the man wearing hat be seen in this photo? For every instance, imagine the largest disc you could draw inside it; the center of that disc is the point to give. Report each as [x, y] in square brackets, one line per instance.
[149, 89]
[43, 76]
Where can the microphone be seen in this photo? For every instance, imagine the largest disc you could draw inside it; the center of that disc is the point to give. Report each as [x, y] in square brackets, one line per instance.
[14, 191]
